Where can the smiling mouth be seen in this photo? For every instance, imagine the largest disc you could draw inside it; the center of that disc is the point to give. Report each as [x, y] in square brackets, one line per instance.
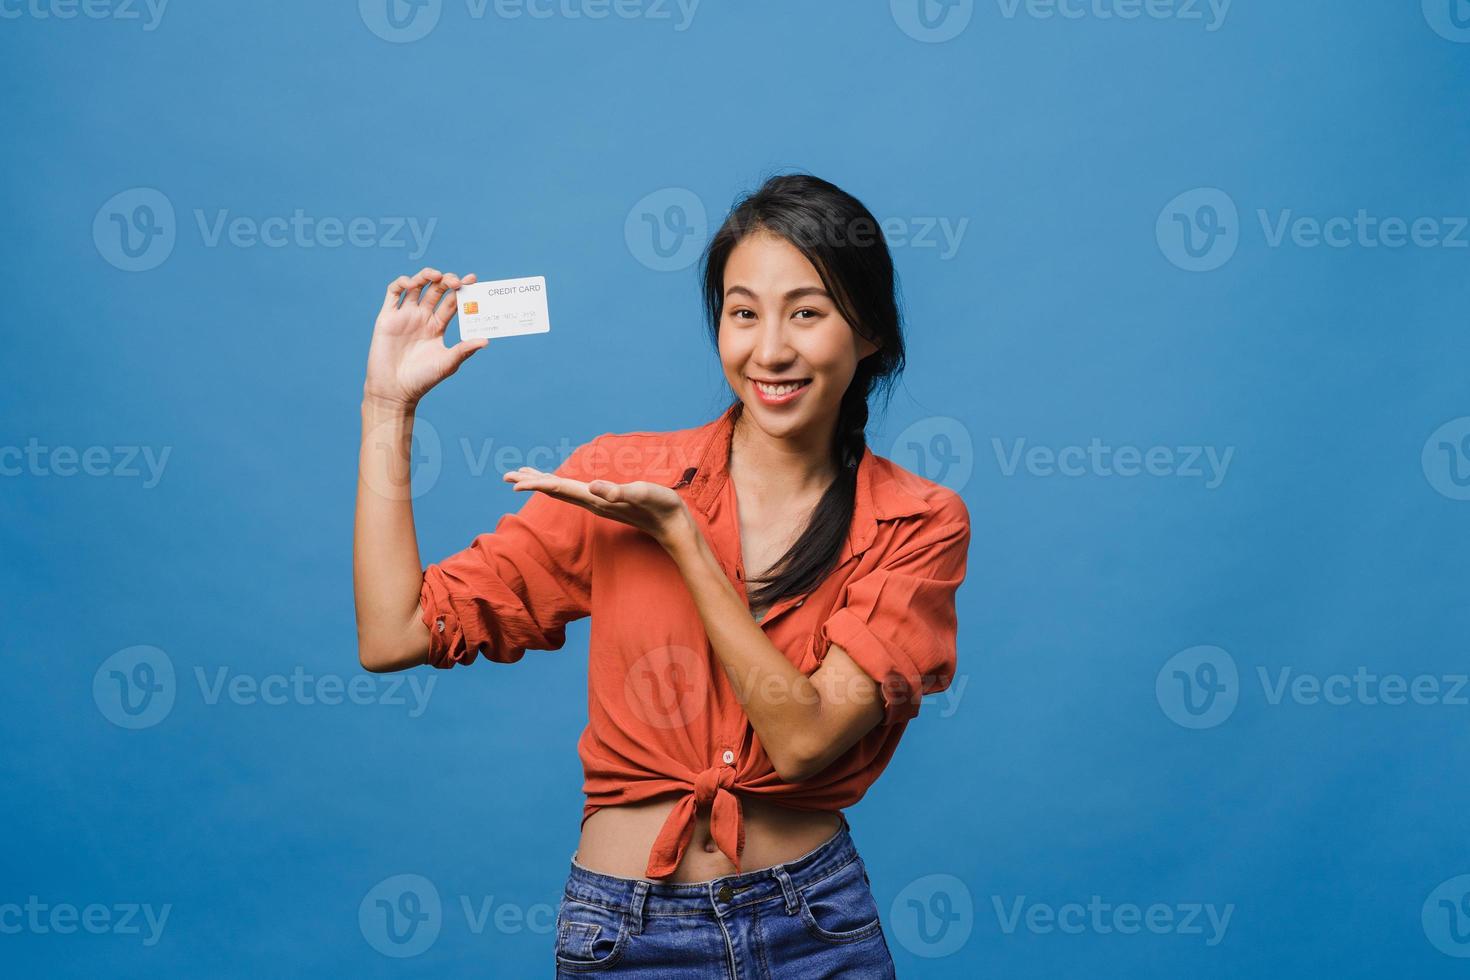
[783, 388]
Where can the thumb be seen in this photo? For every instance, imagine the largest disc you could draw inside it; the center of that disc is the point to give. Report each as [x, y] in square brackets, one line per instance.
[461, 351]
[607, 491]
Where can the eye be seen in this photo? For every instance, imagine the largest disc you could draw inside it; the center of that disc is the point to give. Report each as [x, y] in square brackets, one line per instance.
[736, 313]
[814, 313]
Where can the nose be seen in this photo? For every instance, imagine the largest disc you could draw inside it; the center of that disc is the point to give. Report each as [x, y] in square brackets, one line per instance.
[772, 346]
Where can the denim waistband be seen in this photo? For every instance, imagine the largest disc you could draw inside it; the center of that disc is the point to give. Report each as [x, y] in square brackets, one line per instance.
[719, 895]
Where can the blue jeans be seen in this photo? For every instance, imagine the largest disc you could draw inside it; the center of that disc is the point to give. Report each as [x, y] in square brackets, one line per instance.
[811, 917]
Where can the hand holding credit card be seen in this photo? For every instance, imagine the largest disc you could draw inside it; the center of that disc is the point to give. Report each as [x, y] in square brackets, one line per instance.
[503, 308]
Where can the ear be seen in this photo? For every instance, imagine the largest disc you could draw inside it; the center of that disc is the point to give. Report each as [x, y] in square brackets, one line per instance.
[866, 347]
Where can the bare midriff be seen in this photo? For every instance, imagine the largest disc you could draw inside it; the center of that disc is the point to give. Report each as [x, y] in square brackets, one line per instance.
[616, 840]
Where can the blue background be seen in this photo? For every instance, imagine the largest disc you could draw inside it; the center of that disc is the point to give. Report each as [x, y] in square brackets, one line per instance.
[1058, 773]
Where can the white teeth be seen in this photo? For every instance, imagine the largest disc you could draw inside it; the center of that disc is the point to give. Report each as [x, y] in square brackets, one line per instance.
[776, 391]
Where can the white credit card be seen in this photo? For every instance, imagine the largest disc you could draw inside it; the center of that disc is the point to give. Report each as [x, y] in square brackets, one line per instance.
[503, 308]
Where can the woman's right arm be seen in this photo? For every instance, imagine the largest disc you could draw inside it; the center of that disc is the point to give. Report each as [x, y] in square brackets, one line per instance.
[406, 359]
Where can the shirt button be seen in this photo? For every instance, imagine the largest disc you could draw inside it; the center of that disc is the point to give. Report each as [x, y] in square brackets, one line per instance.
[725, 893]
[728, 757]
[440, 624]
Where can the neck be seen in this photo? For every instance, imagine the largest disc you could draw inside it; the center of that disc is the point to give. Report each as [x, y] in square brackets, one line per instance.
[798, 466]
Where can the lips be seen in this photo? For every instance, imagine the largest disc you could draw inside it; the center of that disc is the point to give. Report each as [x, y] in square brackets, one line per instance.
[784, 392]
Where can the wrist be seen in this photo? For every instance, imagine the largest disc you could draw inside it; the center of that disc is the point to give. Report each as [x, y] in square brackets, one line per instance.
[683, 541]
[378, 407]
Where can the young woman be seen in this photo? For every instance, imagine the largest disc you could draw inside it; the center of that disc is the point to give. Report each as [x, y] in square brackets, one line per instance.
[729, 722]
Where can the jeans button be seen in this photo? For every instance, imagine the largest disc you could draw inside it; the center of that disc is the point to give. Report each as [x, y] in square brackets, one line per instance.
[725, 893]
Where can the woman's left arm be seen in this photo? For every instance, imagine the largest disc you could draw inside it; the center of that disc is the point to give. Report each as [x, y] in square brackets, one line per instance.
[804, 723]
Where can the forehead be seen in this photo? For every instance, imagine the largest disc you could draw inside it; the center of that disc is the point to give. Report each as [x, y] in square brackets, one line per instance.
[765, 257]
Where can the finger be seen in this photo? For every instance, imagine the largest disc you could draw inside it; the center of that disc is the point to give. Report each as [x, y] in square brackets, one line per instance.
[611, 492]
[450, 306]
[435, 289]
[425, 275]
[395, 290]
[463, 350]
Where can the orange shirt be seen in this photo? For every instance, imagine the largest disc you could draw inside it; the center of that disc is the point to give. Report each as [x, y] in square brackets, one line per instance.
[662, 715]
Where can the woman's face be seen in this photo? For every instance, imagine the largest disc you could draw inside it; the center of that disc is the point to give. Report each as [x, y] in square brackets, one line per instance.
[780, 325]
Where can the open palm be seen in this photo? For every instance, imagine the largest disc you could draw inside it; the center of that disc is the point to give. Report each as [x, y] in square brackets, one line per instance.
[650, 507]
[407, 356]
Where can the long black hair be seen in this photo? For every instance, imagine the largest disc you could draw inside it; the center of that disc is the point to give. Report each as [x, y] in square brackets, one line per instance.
[843, 241]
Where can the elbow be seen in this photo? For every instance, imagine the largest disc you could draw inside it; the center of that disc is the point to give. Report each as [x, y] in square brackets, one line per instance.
[377, 658]
[795, 765]
[371, 661]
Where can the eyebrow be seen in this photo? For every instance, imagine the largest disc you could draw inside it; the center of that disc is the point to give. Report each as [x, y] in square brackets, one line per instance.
[796, 293]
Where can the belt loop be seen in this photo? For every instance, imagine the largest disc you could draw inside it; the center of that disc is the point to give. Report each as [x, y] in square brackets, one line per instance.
[787, 888]
[635, 909]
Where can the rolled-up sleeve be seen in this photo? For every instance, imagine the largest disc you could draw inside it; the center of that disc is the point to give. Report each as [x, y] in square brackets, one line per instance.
[898, 621]
[516, 588]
